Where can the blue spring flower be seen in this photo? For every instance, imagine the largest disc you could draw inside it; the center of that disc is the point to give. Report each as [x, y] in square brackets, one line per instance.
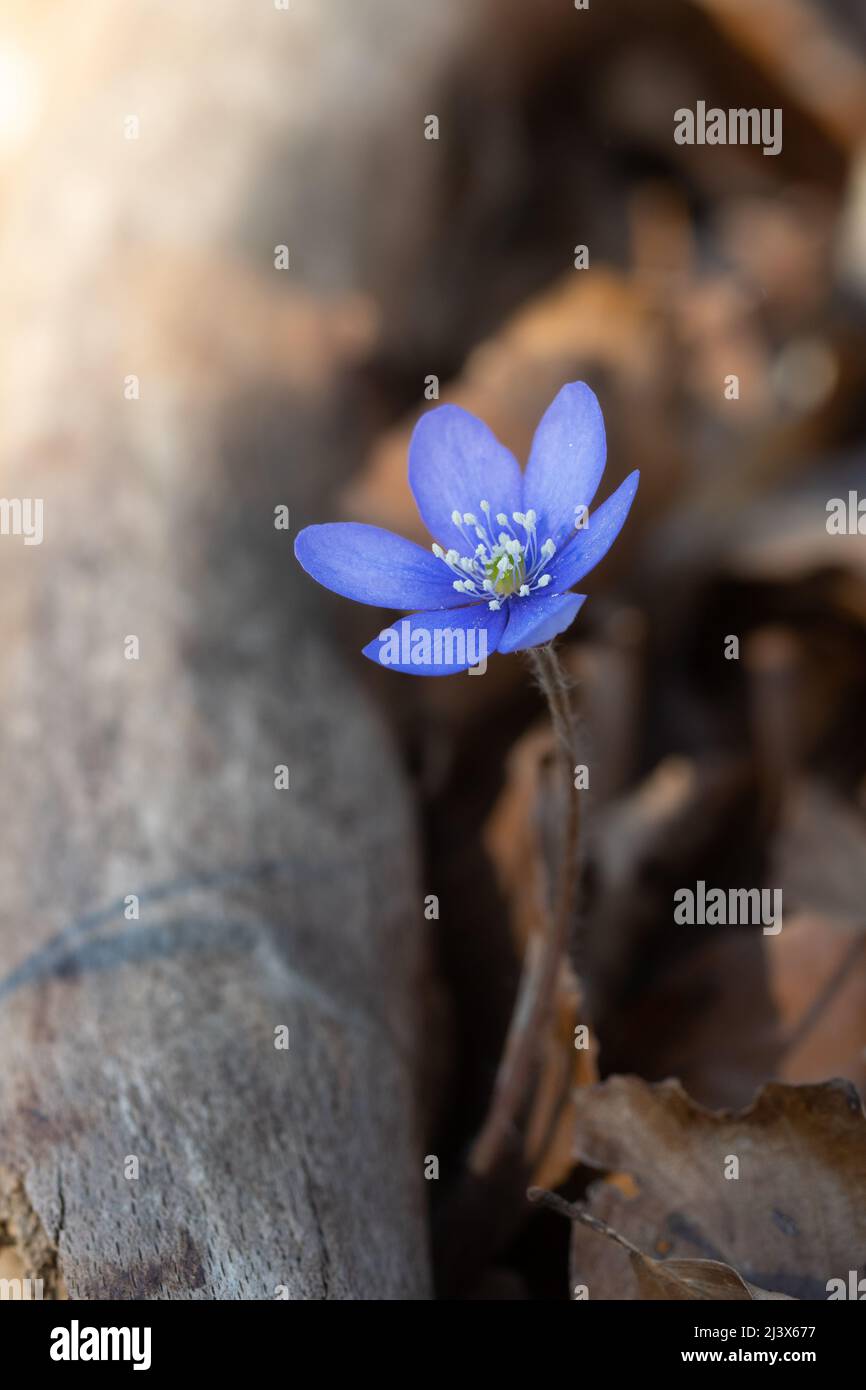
[508, 546]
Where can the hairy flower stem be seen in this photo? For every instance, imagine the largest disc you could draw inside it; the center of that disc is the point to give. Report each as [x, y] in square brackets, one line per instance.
[534, 1006]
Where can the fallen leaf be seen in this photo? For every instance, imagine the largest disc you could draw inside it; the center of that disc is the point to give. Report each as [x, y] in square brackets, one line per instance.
[660, 1278]
[793, 1219]
[693, 1279]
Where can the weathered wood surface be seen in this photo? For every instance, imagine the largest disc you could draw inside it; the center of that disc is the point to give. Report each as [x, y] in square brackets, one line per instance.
[154, 1038]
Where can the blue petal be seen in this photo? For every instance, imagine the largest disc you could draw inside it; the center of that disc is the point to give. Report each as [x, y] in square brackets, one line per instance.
[592, 544]
[375, 566]
[533, 621]
[455, 463]
[566, 461]
[439, 644]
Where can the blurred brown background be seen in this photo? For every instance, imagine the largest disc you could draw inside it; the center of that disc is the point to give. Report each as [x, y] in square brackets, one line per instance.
[455, 257]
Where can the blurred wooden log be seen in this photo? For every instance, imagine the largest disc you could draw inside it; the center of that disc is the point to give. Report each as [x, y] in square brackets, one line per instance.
[154, 1139]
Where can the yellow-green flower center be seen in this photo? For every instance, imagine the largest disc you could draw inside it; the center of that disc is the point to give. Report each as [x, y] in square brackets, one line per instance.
[500, 566]
[507, 574]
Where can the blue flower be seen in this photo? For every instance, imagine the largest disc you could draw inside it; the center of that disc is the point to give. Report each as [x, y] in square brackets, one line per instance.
[509, 546]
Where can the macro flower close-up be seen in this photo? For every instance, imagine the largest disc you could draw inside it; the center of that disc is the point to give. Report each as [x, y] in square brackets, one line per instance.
[508, 546]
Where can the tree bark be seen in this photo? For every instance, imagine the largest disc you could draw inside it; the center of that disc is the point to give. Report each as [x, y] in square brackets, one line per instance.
[155, 1142]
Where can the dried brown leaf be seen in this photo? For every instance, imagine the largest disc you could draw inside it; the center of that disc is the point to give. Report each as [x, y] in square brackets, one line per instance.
[693, 1279]
[793, 1219]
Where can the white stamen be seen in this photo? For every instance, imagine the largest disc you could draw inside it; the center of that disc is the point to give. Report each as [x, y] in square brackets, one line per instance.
[506, 560]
